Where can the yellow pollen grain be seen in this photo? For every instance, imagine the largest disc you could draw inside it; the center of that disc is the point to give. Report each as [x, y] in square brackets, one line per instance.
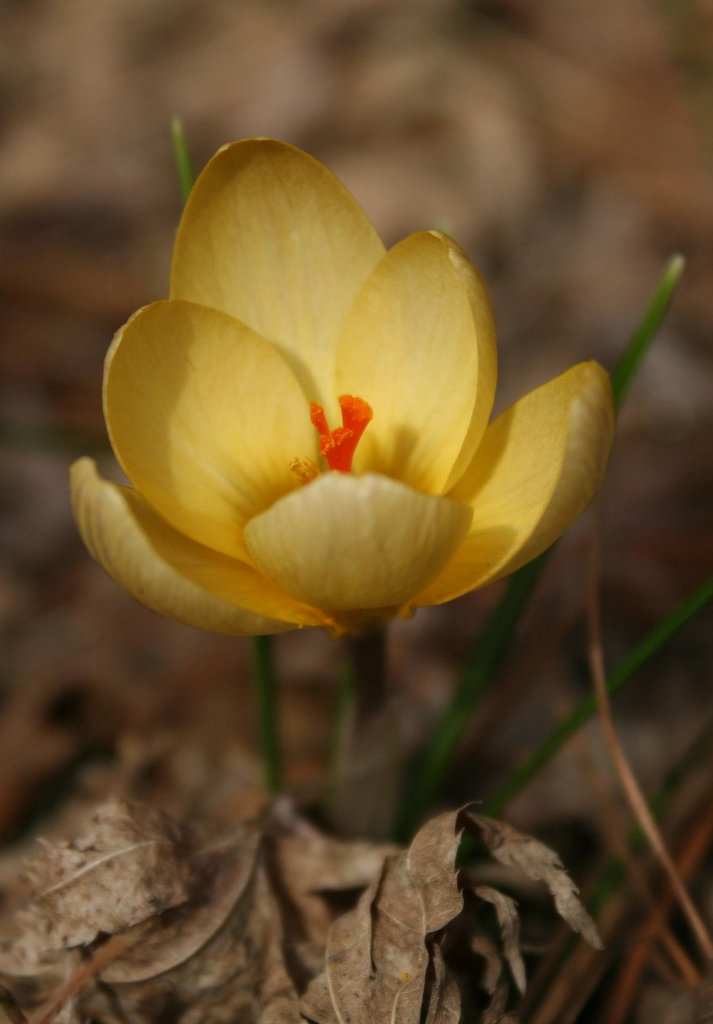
[304, 468]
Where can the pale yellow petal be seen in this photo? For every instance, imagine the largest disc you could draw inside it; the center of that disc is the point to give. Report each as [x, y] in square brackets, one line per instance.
[205, 417]
[487, 355]
[272, 237]
[346, 542]
[538, 466]
[171, 574]
[410, 350]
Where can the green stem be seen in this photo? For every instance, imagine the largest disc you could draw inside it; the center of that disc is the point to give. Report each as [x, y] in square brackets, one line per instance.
[367, 658]
[182, 157]
[587, 708]
[265, 682]
[640, 342]
[366, 753]
[479, 670]
[346, 695]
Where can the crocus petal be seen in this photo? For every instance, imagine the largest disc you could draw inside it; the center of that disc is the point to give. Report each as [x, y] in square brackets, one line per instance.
[537, 468]
[270, 236]
[409, 349]
[205, 418]
[487, 356]
[346, 542]
[171, 574]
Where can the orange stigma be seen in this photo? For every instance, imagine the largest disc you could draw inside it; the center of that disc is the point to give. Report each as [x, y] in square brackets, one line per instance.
[338, 446]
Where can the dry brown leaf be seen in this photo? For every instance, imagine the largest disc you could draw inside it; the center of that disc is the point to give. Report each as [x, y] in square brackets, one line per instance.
[377, 955]
[252, 928]
[222, 873]
[314, 862]
[431, 860]
[126, 869]
[215, 957]
[540, 863]
[310, 863]
[276, 996]
[509, 921]
[444, 998]
[80, 971]
[205, 961]
[494, 979]
[220, 954]
[23, 953]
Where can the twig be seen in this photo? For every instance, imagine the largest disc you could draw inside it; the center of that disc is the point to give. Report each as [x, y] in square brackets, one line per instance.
[624, 671]
[628, 781]
[569, 966]
[99, 959]
[614, 832]
[695, 849]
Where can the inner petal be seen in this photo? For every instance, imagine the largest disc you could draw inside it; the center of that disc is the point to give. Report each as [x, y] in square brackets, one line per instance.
[270, 236]
[410, 344]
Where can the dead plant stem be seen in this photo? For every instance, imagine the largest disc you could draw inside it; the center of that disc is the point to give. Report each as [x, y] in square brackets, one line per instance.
[627, 779]
[614, 831]
[104, 955]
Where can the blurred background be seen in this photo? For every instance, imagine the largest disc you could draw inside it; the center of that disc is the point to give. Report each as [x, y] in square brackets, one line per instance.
[567, 146]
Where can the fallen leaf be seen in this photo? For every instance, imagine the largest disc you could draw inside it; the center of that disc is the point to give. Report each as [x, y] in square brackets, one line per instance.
[222, 868]
[205, 961]
[539, 863]
[493, 981]
[509, 922]
[311, 865]
[444, 1000]
[239, 922]
[431, 861]
[126, 869]
[377, 955]
[61, 1005]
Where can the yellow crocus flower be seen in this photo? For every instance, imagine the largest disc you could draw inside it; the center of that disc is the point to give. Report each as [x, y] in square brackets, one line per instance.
[249, 513]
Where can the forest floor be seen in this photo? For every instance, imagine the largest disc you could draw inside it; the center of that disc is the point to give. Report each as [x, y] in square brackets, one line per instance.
[568, 147]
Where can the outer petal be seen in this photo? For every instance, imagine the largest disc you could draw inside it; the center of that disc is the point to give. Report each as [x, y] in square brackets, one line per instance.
[409, 348]
[539, 465]
[168, 572]
[346, 542]
[205, 417]
[272, 237]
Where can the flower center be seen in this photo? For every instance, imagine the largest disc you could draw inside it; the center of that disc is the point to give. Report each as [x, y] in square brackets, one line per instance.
[338, 446]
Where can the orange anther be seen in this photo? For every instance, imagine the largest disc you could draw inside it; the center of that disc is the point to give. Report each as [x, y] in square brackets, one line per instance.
[338, 446]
